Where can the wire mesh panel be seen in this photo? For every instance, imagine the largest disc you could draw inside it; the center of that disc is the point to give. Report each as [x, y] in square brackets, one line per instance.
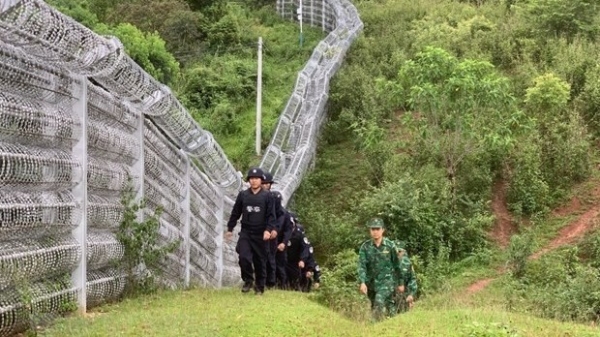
[81, 122]
[293, 146]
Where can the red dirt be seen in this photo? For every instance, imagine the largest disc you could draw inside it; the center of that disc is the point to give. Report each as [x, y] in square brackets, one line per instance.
[503, 226]
[479, 285]
[573, 206]
[573, 231]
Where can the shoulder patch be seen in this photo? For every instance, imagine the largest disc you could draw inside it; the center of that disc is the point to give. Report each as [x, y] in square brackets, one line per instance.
[317, 268]
[306, 240]
[310, 249]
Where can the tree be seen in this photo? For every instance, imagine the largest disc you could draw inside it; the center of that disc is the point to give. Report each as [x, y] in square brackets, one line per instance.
[564, 138]
[458, 111]
[566, 18]
[146, 49]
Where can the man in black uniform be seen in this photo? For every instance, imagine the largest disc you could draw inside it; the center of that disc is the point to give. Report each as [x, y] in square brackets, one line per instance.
[285, 233]
[257, 209]
[272, 243]
[297, 254]
[311, 273]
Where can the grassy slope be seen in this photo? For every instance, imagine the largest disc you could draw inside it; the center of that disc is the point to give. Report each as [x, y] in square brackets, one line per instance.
[204, 312]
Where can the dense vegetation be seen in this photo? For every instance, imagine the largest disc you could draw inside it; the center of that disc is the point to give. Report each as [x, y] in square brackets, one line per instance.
[443, 102]
[205, 51]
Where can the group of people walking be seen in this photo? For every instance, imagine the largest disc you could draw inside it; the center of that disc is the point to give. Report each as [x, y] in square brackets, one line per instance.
[272, 246]
[274, 251]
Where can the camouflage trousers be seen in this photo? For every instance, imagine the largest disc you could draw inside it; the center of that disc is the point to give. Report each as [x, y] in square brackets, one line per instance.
[382, 300]
[400, 302]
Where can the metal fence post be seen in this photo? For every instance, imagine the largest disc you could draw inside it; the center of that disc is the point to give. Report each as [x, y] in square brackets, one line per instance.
[139, 165]
[186, 220]
[323, 15]
[220, 239]
[79, 152]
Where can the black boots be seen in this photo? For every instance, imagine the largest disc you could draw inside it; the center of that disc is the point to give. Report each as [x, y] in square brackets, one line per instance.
[247, 286]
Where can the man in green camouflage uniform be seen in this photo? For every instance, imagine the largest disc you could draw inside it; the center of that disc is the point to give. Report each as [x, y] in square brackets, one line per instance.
[379, 271]
[404, 301]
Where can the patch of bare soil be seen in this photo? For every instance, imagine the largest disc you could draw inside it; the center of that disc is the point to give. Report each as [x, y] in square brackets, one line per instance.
[479, 285]
[504, 227]
[569, 234]
[569, 208]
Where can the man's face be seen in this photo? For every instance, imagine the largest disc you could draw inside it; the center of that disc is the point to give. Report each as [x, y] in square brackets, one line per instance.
[376, 232]
[266, 186]
[255, 182]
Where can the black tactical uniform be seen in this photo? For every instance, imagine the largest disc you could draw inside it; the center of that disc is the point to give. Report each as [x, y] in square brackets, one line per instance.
[311, 266]
[271, 245]
[281, 256]
[298, 250]
[257, 210]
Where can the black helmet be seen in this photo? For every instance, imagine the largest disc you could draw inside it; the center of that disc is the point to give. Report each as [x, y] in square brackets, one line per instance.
[277, 195]
[255, 172]
[294, 218]
[267, 178]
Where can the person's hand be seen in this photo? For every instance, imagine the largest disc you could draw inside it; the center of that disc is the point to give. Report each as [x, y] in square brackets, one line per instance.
[400, 289]
[273, 234]
[228, 235]
[301, 264]
[281, 247]
[316, 285]
[410, 300]
[266, 235]
[363, 288]
[308, 274]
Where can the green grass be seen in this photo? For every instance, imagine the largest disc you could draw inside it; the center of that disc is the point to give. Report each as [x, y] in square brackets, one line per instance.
[283, 59]
[204, 312]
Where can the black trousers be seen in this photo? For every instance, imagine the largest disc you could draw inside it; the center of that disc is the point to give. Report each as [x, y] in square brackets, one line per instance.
[305, 282]
[293, 275]
[252, 259]
[271, 247]
[281, 262]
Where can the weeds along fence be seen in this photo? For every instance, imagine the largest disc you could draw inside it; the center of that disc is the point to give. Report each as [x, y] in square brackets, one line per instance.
[79, 120]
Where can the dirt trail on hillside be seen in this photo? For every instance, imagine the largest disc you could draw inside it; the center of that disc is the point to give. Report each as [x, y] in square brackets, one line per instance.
[568, 234]
[503, 226]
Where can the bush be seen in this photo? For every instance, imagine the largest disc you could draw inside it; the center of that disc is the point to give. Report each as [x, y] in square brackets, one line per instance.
[143, 250]
[558, 287]
[339, 287]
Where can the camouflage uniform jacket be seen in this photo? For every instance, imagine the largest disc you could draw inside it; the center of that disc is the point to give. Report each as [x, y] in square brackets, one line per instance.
[378, 266]
[410, 281]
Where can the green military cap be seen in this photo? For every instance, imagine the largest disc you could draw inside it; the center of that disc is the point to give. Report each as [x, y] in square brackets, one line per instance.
[400, 245]
[375, 223]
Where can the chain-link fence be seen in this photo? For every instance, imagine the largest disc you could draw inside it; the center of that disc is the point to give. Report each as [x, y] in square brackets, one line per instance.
[80, 120]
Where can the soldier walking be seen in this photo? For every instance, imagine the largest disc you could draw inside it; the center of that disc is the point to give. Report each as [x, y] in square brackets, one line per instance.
[297, 254]
[274, 244]
[256, 207]
[379, 271]
[404, 301]
[311, 273]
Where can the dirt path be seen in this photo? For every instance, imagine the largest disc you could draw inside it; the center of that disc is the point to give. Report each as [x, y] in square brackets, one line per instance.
[503, 226]
[571, 232]
[568, 234]
[479, 285]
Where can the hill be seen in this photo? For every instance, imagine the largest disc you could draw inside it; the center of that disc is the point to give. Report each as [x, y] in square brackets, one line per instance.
[204, 312]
